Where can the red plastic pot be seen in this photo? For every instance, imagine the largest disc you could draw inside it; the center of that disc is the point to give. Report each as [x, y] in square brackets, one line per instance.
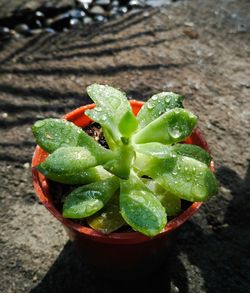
[117, 253]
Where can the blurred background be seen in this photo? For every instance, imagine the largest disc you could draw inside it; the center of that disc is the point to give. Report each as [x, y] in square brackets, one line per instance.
[49, 52]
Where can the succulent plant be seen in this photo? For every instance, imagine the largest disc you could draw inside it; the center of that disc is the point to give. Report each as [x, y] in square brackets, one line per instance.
[142, 177]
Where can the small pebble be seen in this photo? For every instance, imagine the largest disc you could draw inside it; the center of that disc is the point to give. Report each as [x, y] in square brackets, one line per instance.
[4, 31]
[5, 115]
[23, 29]
[136, 3]
[97, 10]
[76, 13]
[74, 22]
[99, 18]
[49, 30]
[83, 2]
[192, 34]
[87, 20]
[122, 10]
[102, 2]
[190, 24]
[115, 4]
[26, 165]
[39, 14]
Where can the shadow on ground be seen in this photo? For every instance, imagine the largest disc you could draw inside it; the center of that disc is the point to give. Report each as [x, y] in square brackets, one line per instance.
[203, 250]
[70, 274]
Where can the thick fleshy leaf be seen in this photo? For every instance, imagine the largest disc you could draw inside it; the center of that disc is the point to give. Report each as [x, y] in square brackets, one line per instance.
[86, 200]
[111, 104]
[140, 208]
[171, 203]
[122, 162]
[107, 219]
[67, 161]
[128, 124]
[154, 149]
[192, 151]
[171, 127]
[51, 134]
[157, 105]
[184, 177]
[160, 150]
[83, 177]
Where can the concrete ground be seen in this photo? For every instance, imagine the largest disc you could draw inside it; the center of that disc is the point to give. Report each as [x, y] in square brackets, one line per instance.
[200, 49]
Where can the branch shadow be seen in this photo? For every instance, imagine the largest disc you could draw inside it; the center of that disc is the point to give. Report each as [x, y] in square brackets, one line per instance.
[101, 53]
[71, 274]
[101, 71]
[112, 40]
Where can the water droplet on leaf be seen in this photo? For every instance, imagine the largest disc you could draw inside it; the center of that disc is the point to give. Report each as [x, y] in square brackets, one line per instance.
[175, 133]
[150, 106]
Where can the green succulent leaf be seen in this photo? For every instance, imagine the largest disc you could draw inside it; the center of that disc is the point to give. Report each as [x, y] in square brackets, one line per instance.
[157, 105]
[170, 202]
[67, 161]
[140, 208]
[51, 134]
[108, 219]
[86, 200]
[154, 149]
[160, 150]
[111, 104]
[84, 177]
[184, 177]
[192, 151]
[171, 127]
[128, 124]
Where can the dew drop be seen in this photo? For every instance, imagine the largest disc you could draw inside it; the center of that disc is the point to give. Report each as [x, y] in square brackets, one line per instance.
[175, 133]
[174, 173]
[194, 169]
[186, 168]
[154, 98]
[98, 109]
[150, 106]
[167, 100]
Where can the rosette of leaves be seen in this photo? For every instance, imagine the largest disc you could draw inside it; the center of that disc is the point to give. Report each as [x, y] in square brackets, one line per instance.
[142, 177]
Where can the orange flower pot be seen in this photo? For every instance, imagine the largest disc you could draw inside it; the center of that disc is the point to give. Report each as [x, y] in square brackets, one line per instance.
[117, 253]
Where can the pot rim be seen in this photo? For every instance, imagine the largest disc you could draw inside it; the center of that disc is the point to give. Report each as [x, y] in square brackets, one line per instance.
[42, 189]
